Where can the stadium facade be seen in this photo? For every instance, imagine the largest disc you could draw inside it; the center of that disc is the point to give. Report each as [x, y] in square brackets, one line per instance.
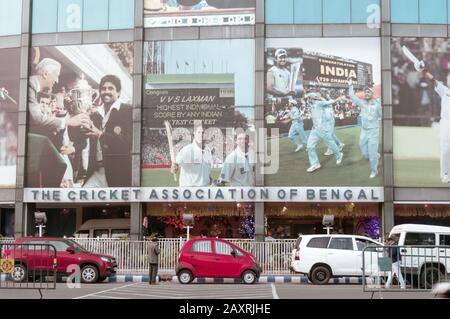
[99, 99]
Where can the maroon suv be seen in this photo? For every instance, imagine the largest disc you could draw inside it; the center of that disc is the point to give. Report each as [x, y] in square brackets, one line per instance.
[30, 257]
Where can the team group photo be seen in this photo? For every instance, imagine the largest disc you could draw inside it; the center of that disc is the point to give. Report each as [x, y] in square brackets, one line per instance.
[323, 98]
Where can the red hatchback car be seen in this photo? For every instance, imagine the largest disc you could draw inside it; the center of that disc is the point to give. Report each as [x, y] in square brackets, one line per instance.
[215, 258]
[30, 258]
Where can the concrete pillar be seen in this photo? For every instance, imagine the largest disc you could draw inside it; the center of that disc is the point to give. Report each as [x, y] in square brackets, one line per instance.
[259, 222]
[79, 217]
[259, 111]
[388, 159]
[20, 216]
[136, 221]
[136, 208]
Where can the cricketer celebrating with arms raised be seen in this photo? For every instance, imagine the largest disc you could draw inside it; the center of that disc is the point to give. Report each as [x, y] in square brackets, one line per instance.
[371, 121]
[323, 129]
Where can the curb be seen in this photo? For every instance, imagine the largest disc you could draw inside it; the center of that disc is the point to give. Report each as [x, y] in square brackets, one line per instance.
[262, 280]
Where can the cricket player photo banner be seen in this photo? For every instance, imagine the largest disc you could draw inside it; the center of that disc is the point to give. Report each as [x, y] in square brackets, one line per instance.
[323, 95]
[9, 97]
[421, 111]
[199, 114]
[80, 116]
[189, 13]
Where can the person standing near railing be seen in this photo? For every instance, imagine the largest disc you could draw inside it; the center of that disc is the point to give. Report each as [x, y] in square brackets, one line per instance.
[394, 253]
[153, 258]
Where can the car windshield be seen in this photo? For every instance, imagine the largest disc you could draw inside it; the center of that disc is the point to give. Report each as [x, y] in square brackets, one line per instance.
[77, 246]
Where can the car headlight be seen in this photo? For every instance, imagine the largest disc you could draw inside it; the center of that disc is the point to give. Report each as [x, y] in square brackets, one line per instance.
[106, 260]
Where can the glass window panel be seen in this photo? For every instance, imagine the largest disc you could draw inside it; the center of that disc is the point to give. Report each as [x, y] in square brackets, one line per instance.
[95, 15]
[70, 15]
[10, 17]
[405, 11]
[307, 12]
[336, 11]
[121, 14]
[45, 16]
[279, 11]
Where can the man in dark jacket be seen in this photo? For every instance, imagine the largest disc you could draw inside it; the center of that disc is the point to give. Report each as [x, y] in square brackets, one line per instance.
[110, 139]
[153, 256]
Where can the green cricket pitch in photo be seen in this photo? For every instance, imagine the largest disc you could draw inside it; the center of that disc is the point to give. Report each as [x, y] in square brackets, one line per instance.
[416, 157]
[354, 170]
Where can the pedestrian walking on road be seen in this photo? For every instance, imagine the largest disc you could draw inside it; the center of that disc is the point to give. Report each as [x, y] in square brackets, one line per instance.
[396, 270]
[153, 256]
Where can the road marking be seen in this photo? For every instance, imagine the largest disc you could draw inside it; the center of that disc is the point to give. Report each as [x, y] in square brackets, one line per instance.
[106, 297]
[99, 292]
[274, 292]
[218, 291]
[140, 295]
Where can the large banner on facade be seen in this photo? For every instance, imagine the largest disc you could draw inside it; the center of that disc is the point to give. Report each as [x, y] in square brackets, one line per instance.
[80, 116]
[198, 113]
[9, 97]
[324, 97]
[189, 13]
[421, 111]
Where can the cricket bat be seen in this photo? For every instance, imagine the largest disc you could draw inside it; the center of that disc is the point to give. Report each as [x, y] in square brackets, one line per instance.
[171, 147]
[409, 55]
[4, 95]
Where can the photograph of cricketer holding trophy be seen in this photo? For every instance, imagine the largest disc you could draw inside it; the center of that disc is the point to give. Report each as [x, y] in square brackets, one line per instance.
[9, 95]
[323, 95]
[80, 116]
[421, 111]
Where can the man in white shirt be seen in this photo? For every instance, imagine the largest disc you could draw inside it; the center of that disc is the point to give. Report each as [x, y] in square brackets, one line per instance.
[444, 93]
[239, 167]
[194, 162]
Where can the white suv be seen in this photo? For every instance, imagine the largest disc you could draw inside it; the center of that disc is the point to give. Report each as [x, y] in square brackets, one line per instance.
[424, 251]
[321, 257]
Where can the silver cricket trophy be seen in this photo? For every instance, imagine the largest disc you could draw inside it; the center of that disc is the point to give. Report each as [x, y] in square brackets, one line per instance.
[296, 68]
[82, 95]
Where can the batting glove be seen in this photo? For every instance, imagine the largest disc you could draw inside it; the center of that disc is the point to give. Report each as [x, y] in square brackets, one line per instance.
[420, 66]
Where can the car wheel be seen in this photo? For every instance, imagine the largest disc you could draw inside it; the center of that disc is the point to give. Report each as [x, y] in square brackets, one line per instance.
[89, 274]
[430, 276]
[20, 273]
[185, 277]
[320, 275]
[248, 277]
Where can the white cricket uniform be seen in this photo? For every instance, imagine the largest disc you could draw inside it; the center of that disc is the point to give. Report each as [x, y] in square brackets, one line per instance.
[281, 78]
[444, 93]
[238, 169]
[195, 165]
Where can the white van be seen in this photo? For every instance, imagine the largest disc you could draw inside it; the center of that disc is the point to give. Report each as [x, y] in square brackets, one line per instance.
[431, 263]
[104, 228]
[321, 257]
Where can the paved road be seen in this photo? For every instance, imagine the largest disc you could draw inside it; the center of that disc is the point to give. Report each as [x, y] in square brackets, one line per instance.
[170, 290]
[194, 291]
